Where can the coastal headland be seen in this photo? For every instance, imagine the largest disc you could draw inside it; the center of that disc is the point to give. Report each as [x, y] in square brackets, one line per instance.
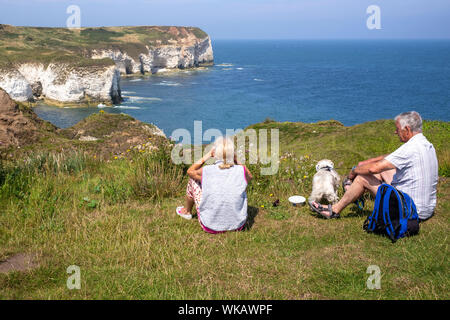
[83, 66]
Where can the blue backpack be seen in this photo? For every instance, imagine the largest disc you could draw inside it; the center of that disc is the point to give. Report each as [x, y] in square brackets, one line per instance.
[394, 214]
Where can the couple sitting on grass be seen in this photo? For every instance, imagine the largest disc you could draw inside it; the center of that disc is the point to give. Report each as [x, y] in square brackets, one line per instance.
[412, 169]
[219, 190]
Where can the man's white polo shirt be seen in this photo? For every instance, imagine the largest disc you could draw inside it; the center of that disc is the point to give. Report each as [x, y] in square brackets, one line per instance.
[417, 173]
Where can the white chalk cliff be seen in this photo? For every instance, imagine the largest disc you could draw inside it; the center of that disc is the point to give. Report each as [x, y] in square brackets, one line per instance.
[164, 57]
[62, 82]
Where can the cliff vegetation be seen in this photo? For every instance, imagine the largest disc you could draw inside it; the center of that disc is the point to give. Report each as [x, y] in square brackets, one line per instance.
[46, 45]
[92, 196]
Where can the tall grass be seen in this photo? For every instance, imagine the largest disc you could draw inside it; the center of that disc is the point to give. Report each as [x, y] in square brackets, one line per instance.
[155, 180]
[18, 177]
[151, 176]
[116, 220]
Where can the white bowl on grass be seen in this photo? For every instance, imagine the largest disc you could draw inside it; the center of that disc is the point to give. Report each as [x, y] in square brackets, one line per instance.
[297, 200]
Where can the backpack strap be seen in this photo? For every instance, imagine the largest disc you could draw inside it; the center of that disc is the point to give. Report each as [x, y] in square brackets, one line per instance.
[405, 201]
[372, 219]
[386, 217]
[414, 214]
[412, 210]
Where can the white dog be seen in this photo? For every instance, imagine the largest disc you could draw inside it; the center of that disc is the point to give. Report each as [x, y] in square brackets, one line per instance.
[325, 183]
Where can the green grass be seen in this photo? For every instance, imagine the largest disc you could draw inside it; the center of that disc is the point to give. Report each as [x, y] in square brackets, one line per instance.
[116, 220]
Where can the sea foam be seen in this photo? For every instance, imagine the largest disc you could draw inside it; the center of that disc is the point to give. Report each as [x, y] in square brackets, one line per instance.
[126, 107]
[168, 83]
[140, 99]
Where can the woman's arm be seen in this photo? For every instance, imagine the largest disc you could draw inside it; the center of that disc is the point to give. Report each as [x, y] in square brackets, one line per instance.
[195, 170]
[248, 174]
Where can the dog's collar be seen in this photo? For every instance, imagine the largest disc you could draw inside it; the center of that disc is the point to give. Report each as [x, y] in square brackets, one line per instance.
[328, 168]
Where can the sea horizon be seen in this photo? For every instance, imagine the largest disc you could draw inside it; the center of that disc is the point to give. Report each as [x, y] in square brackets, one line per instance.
[298, 80]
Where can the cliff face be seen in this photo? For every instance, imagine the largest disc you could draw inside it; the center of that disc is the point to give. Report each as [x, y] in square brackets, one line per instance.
[62, 83]
[184, 55]
[86, 66]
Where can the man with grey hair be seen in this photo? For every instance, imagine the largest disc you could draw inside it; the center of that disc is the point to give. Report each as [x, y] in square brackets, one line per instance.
[412, 169]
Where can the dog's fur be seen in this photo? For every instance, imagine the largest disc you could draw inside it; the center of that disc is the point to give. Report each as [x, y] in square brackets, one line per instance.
[325, 183]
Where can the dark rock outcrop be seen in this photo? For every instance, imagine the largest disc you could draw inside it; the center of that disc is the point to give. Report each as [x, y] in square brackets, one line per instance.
[36, 88]
[102, 134]
[19, 125]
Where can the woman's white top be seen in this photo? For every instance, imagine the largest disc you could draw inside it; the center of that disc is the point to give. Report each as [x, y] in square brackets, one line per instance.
[223, 205]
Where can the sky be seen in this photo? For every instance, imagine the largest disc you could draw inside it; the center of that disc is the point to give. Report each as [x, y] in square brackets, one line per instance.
[248, 19]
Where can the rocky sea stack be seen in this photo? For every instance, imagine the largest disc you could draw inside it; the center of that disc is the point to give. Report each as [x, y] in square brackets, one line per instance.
[84, 65]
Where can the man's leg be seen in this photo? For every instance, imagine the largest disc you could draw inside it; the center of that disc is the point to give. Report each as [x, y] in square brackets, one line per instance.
[360, 184]
[388, 175]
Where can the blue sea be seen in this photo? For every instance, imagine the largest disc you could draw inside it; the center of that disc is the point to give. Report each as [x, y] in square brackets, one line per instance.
[352, 81]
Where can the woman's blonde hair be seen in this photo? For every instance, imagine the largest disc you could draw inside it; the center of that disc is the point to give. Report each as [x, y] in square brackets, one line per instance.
[224, 150]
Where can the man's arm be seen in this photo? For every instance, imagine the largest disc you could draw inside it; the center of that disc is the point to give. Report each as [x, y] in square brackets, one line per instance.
[372, 168]
[371, 160]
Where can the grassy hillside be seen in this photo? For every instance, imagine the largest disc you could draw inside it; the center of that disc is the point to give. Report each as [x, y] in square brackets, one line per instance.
[45, 45]
[115, 219]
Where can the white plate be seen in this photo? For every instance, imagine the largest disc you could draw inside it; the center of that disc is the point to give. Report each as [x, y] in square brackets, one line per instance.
[297, 200]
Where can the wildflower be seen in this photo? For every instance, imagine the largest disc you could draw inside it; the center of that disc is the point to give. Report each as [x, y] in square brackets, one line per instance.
[101, 111]
[262, 206]
[128, 150]
[115, 158]
[304, 177]
[271, 195]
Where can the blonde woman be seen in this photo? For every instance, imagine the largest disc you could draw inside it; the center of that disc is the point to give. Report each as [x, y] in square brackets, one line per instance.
[219, 190]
